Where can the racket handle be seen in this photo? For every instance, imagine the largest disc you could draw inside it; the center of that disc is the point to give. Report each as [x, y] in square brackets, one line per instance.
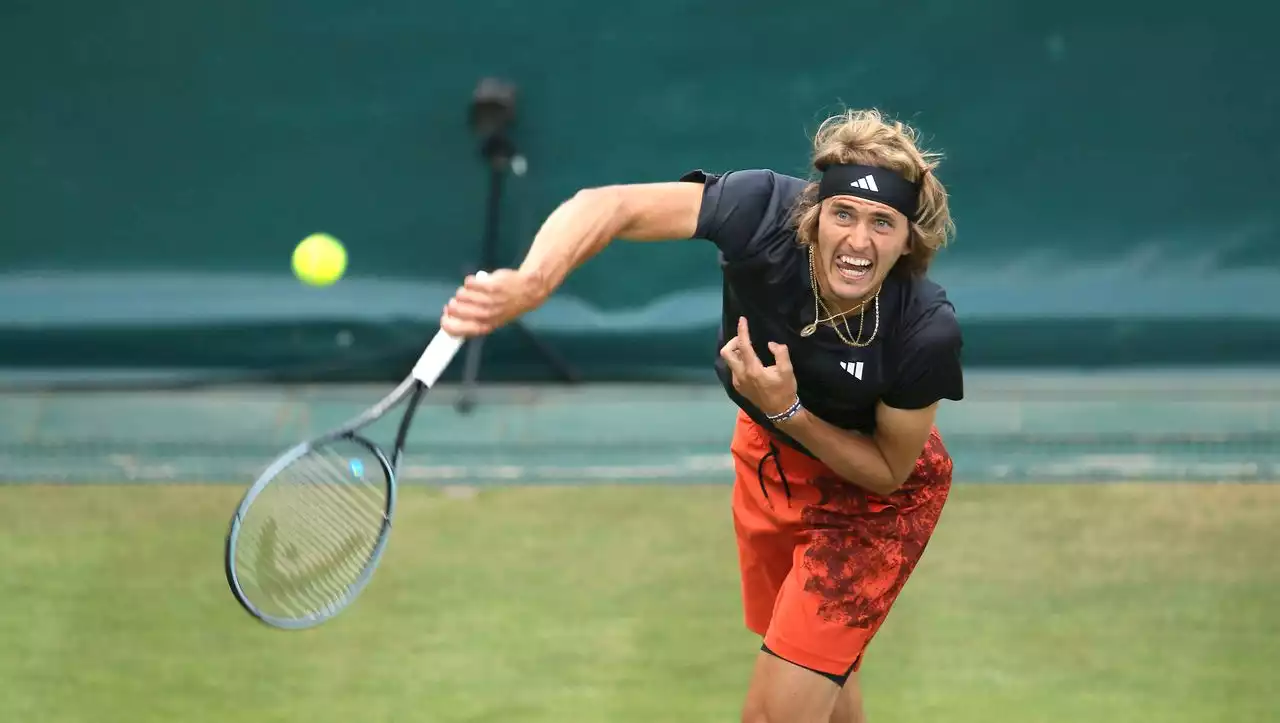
[436, 357]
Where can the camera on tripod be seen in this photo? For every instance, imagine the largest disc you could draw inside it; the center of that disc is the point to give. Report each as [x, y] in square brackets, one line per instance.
[493, 113]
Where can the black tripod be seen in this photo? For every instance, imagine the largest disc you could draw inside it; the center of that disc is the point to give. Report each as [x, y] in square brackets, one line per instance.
[492, 110]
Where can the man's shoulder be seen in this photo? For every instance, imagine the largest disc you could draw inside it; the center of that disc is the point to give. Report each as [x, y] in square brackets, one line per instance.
[747, 213]
[765, 182]
[928, 315]
[928, 348]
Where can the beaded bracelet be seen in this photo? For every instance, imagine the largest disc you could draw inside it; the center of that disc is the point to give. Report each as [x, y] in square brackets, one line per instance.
[784, 416]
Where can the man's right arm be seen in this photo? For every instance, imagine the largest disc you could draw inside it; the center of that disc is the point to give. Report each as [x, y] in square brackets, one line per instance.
[736, 206]
[583, 225]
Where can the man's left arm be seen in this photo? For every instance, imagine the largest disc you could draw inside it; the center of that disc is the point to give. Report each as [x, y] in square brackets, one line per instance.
[881, 462]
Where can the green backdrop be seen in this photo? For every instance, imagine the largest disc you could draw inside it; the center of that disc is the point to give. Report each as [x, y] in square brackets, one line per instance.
[1110, 164]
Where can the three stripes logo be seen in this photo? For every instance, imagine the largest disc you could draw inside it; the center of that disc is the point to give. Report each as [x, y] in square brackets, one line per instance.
[854, 368]
[868, 182]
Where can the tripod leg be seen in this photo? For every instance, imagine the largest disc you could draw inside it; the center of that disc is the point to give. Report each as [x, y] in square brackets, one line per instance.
[557, 362]
[498, 151]
[488, 252]
[470, 371]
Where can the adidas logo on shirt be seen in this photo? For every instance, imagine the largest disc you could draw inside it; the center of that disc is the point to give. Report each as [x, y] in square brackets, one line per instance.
[854, 368]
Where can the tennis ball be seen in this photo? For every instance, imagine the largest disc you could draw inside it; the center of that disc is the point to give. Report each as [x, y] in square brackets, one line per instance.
[319, 260]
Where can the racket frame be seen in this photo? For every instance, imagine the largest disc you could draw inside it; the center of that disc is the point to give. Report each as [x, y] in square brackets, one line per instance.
[432, 363]
[370, 564]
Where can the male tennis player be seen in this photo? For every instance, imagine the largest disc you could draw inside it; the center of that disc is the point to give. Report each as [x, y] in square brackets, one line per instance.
[837, 349]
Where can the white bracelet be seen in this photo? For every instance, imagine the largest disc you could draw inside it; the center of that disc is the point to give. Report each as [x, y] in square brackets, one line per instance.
[784, 416]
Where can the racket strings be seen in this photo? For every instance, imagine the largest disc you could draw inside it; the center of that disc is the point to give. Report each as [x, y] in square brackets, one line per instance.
[321, 557]
[334, 547]
[330, 540]
[306, 539]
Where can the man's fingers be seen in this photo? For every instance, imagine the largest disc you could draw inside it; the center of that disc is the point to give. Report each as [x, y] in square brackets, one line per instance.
[747, 352]
[474, 296]
[454, 326]
[729, 352]
[468, 311]
[781, 356]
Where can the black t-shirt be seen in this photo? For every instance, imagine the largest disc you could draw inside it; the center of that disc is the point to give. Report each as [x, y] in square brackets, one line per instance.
[914, 360]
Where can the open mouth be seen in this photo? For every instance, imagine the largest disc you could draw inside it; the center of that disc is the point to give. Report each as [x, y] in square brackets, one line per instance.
[853, 268]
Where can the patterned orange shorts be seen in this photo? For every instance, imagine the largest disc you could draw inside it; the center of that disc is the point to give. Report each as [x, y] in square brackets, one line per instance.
[822, 559]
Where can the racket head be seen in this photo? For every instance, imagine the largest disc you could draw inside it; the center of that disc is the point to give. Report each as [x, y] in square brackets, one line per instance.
[309, 533]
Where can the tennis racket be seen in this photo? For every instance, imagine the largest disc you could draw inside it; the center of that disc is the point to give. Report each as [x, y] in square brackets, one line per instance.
[308, 535]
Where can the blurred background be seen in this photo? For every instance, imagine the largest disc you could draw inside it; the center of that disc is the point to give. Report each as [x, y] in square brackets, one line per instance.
[565, 551]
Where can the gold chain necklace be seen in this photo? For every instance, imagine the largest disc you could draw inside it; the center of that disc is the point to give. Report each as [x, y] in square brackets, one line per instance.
[862, 311]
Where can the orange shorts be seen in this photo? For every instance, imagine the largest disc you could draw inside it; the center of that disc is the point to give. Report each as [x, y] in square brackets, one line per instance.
[823, 559]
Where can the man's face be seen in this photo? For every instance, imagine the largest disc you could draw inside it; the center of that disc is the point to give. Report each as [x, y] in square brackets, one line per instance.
[858, 243]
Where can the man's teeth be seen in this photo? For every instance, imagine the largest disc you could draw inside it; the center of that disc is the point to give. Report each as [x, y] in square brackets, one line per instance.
[851, 267]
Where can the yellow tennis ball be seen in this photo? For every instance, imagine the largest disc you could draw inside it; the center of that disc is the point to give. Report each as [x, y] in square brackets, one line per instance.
[319, 260]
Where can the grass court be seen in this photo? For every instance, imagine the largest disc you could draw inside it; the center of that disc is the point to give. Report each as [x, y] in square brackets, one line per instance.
[619, 603]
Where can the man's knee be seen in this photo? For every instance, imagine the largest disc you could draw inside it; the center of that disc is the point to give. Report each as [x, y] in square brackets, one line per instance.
[760, 713]
[774, 709]
[847, 709]
[754, 713]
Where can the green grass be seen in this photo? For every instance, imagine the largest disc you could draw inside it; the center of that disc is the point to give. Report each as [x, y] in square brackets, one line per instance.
[1034, 603]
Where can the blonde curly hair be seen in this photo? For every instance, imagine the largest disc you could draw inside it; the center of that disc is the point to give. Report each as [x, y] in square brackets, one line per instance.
[866, 137]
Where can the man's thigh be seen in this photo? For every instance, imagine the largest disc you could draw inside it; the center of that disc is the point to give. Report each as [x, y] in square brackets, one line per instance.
[826, 612]
[849, 705]
[783, 692]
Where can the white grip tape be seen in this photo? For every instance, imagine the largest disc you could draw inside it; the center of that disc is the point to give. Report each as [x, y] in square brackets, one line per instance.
[436, 357]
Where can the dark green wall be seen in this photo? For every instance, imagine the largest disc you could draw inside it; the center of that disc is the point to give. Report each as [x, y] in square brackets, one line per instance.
[161, 159]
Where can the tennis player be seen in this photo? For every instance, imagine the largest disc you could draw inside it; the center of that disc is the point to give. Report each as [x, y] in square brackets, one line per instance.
[836, 347]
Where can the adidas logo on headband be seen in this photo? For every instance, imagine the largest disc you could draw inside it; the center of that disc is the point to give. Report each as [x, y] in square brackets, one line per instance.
[874, 183]
[868, 182]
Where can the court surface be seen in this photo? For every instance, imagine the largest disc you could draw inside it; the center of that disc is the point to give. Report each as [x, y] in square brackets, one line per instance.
[1035, 602]
[1069, 426]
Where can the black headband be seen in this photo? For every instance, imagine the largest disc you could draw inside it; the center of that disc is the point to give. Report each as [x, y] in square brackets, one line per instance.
[872, 183]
